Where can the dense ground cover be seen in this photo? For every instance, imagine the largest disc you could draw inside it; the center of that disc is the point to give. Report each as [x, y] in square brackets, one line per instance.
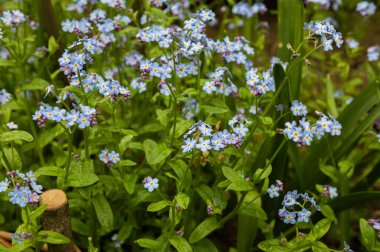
[191, 125]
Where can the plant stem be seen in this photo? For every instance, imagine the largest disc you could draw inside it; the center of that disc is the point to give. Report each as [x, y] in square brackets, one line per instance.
[199, 85]
[70, 137]
[175, 113]
[28, 222]
[330, 152]
[234, 211]
[172, 221]
[272, 158]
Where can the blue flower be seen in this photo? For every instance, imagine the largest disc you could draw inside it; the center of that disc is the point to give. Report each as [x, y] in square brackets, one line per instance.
[114, 157]
[298, 109]
[203, 145]
[151, 184]
[373, 53]
[4, 185]
[303, 215]
[289, 217]
[188, 145]
[366, 8]
[4, 96]
[217, 142]
[273, 191]
[84, 121]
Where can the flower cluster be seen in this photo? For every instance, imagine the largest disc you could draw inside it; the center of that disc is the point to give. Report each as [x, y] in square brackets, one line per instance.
[150, 183]
[190, 109]
[13, 18]
[327, 3]
[327, 32]
[107, 87]
[243, 9]
[25, 189]
[203, 139]
[81, 5]
[375, 223]
[138, 85]
[19, 238]
[303, 133]
[373, 53]
[233, 51]
[366, 8]
[296, 207]
[4, 96]
[218, 84]
[133, 59]
[298, 108]
[116, 242]
[206, 15]
[329, 191]
[109, 158]
[259, 85]
[84, 116]
[274, 190]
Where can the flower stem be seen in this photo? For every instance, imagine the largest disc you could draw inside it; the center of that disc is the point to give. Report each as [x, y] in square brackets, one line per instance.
[70, 137]
[234, 211]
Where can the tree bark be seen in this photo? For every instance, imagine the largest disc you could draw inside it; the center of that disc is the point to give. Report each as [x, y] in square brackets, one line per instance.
[56, 218]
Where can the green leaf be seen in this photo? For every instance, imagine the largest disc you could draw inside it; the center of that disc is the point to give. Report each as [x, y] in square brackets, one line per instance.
[84, 179]
[231, 175]
[266, 120]
[319, 247]
[155, 153]
[240, 186]
[253, 210]
[203, 229]
[103, 212]
[261, 174]
[149, 243]
[330, 99]
[290, 30]
[7, 63]
[251, 206]
[272, 245]
[122, 163]
[80, 227]
[353, 199]
[346, 168]
[330, 171]
[52, 237]
[182, 127]
[180, 244]
[37, 213]
[129, 182]
[182, 200]
[357, 117]
[328, 212]
[52, 45]
[11, 154]
[157, 206]
[368, 236]
[216, 107]
[204, 245]
[15, 135]
[36, 84]
[320, 229]
[125, 231]
[53, 171]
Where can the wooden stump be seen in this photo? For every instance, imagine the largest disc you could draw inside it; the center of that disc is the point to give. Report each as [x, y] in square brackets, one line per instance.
[56, 218]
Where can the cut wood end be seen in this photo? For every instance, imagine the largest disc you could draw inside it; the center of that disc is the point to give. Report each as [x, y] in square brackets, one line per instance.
[54, 198]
